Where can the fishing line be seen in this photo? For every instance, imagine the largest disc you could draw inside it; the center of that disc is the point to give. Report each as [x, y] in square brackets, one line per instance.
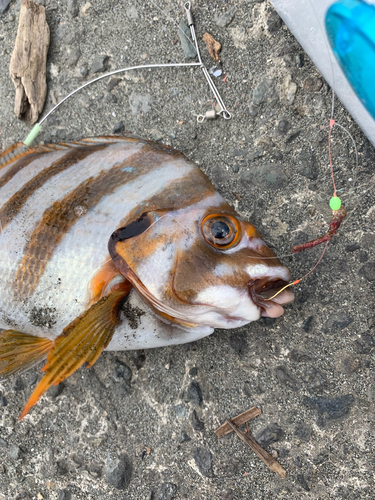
[338, 211]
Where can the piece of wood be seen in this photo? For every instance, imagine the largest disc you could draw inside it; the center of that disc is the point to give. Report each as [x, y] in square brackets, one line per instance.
[213, 46]
[28, 63]
[262, 454]
[240, 419]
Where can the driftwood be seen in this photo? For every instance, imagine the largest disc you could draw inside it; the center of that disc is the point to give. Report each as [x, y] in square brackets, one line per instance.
[232, 425]
[238, 420]
[262, 454]
[28, 63]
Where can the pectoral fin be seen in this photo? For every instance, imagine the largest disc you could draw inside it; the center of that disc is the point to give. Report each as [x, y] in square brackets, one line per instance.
[20, 351]
[81, 342]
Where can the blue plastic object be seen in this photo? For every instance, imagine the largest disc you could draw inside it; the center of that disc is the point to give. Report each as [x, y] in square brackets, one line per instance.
[350, 26]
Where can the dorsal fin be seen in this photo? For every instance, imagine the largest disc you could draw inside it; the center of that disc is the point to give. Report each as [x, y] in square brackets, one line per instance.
[14, 153]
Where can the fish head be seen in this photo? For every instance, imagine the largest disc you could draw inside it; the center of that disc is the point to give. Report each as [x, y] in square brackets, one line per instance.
[201, 267]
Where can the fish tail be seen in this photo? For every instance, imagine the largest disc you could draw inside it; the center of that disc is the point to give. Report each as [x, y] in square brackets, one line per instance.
[20, 351]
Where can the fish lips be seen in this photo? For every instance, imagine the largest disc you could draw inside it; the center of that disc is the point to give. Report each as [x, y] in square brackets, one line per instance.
[263, 289]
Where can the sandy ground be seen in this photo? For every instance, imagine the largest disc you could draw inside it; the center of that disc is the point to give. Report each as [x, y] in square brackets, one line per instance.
[139, 425]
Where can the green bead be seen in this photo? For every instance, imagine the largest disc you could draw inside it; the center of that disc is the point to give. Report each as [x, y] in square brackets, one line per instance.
[335, 203]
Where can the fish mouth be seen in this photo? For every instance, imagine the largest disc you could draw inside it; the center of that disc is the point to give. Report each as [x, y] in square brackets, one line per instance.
[261, 290]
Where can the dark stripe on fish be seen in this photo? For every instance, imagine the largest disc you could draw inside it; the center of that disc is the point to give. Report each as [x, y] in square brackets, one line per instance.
[14, 205]
[178, 194]
[58, 219]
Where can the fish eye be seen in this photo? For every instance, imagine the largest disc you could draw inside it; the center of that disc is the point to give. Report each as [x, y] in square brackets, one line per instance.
[221, 231]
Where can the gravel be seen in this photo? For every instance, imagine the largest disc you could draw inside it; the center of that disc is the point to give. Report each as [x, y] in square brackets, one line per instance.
[311, 371]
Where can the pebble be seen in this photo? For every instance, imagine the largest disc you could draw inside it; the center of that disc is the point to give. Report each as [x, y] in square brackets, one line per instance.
[4, 5]
[84, 70]
[313, 378]
[347, 362]
[307, 165]
[352, 247]
[3, 401]
[203, 459]
[118, 472]
[290, 89]
[337, 322]
[329, 408]
[186, 42]
[267, 321]
[306, 325]
[194, 393]
[193, 372]
[300, 60]
[62, 467]
[224, 19]
[267, 176]
[122, 372]
[73, 7]
[303, 432]
[260, 92]
[84, 9]
[184, 438]
[299, 356]
[156, 135]
[64, 495]
[73, 56]
[15, 451]
[139, 103]
[166, 491]
[113, 82]
[118, 128]
[238, 342]
[274, 22]
[197, 424]
[362, 256]
[18, 384]
[368, 271]
[293, 135]
[284, 376]
[302, 482]
[3, 443]
[99, 64]
[270, 434]
[312, 84]
[236, 169]
[55, 390]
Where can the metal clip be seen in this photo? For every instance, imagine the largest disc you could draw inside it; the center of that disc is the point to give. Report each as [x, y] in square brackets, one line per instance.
[209, 115]
[189, 15]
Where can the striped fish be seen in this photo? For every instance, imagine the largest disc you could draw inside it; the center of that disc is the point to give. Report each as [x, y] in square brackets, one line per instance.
[118, 243]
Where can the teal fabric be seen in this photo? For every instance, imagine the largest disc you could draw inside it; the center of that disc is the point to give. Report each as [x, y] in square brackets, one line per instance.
[350, 26]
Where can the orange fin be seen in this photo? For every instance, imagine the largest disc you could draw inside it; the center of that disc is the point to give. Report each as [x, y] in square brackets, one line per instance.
[100, 283]
[80, 342]
[21, 351]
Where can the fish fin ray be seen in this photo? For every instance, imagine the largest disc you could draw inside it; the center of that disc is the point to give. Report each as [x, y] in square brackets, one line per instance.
[80, 342]
[14, 153]
[20, 351]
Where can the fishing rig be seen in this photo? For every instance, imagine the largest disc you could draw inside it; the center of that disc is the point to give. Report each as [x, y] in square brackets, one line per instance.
[209, 115]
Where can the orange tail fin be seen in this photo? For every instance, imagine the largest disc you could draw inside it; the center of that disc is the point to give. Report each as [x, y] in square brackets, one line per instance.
[20, 351]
